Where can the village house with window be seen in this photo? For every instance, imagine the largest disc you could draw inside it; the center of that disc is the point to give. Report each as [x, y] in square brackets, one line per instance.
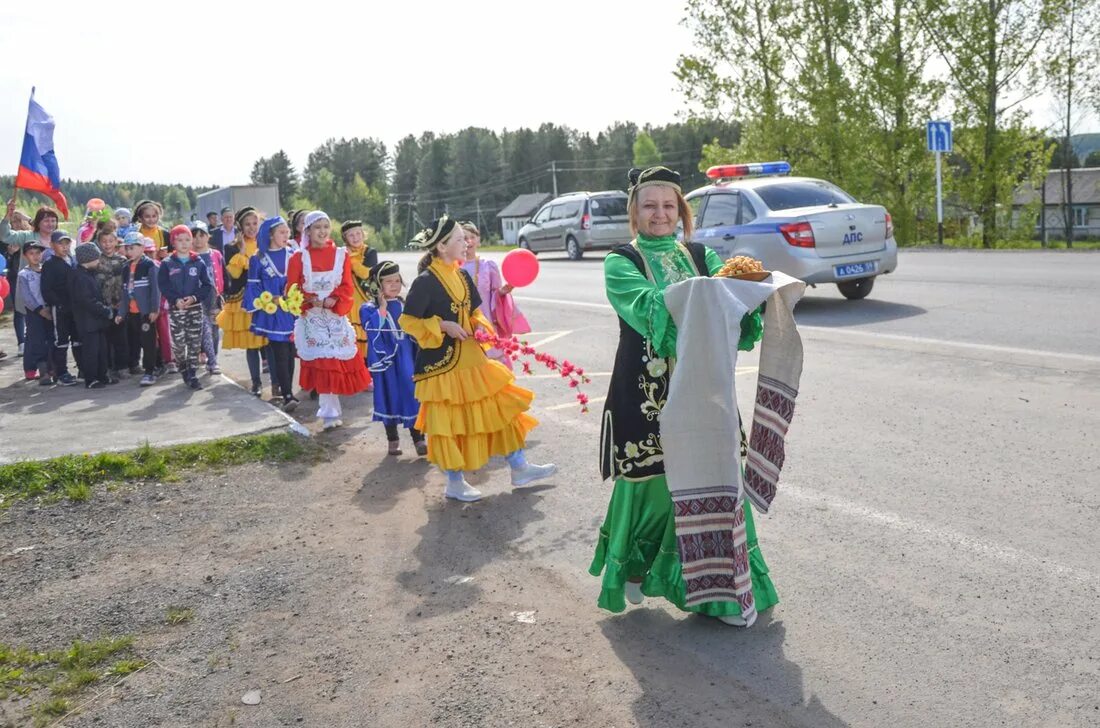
[1085, 209]
[518, 212]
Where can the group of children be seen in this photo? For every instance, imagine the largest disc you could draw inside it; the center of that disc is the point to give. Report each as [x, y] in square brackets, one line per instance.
[284, 292]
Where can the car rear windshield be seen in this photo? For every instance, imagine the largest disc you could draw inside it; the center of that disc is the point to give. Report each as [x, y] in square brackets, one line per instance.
[608, 206]
[789, 195]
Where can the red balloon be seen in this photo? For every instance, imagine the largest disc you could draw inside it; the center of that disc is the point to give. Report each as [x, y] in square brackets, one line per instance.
[1, 305]
[520, 268]
[5, 288]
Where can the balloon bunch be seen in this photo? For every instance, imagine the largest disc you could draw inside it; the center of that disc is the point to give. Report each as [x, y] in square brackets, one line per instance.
[512, 349]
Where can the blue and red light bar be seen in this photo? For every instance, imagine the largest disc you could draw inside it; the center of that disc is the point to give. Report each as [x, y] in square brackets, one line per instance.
[732, 171]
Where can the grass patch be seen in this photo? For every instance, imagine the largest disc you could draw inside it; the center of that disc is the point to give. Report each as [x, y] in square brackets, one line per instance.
[62, 675]
[975, 243]
[73, 476]
[179, 615]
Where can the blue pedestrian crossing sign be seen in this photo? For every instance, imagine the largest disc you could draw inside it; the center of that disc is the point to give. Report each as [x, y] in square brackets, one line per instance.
[939, 136]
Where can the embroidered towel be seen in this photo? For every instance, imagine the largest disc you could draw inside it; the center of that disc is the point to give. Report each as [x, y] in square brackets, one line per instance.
[699, 425]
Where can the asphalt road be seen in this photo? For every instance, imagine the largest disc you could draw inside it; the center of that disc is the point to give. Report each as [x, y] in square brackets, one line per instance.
[934, 540]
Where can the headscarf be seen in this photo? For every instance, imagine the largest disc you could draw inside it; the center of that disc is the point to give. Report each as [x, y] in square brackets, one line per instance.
[263, 237]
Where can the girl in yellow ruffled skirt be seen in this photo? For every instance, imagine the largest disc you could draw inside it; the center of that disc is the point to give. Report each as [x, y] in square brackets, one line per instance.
[470, 407]
[235, 320]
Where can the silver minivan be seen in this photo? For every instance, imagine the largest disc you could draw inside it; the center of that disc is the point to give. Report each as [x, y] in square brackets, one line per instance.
[578, 222]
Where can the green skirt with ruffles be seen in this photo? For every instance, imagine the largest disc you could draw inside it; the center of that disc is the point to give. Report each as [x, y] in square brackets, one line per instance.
[638, 542]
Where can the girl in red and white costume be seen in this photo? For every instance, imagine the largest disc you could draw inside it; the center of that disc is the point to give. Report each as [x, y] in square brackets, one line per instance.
[323, 335]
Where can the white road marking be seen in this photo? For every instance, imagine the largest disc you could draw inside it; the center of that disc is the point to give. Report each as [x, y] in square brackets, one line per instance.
[554, 336]
[574, 403]
[941, 536]
[983, 352]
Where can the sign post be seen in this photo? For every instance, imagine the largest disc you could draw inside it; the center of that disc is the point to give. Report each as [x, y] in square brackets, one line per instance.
[938, 135]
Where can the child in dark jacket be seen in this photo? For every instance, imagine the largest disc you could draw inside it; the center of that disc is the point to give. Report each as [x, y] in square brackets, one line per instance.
[92, 316]
[186, 284]
[140, 307]
[55, 292]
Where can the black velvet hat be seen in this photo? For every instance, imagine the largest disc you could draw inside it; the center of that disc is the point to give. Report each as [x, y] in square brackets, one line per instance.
[435, 233]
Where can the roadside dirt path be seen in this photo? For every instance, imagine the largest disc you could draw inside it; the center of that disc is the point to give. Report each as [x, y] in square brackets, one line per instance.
[350, 594]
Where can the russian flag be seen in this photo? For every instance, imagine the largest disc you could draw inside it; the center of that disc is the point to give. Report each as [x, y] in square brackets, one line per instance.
[38, 170]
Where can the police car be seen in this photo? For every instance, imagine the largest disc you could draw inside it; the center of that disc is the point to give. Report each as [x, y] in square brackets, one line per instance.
[805, 227]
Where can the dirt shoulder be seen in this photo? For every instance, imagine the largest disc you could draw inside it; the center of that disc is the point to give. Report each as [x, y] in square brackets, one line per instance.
[350, 594]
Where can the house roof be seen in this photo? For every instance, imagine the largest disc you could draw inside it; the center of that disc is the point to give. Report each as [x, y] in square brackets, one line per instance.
[1086, 188]
[525, 205]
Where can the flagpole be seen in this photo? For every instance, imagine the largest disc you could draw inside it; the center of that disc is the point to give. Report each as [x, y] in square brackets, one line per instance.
[15, 179]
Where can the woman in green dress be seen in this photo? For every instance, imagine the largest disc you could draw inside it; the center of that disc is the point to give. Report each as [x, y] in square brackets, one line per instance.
[637, 550]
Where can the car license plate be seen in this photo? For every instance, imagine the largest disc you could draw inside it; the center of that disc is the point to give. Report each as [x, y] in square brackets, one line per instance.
[854, 269]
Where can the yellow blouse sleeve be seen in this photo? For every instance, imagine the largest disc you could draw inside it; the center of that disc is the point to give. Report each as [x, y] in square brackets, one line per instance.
[360, 271]
[238, 265]
[479, 319]
[426, 331]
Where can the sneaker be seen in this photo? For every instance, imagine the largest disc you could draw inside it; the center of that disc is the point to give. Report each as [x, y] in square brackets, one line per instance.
[395, 448]
[290, 404]
[214, 370]
[20, 350]
[276, 392]
[257, 389]
[633, 592]
[462, 492]
[30, 375]
[421, 448]
[118, 374]
[193, 383]
[66, 380]
[46, 381]
[159, 371]
[134, 371]
[97, 384]
[331, 424]
[112, 379]
[532, 473]
[172, 368]
[148, 380]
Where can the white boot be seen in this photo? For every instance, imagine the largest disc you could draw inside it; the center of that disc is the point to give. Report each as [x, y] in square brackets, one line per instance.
[736, 620]
[460, 490]
[530, 473]
[633, 591]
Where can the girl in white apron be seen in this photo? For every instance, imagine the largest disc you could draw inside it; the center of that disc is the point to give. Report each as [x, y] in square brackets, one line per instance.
[324, 337]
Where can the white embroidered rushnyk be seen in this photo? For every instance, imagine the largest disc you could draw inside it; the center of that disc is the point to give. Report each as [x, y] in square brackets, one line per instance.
[319, 333]
[700, 430]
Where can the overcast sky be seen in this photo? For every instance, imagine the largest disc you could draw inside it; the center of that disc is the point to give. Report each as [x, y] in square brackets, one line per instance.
[195, 92]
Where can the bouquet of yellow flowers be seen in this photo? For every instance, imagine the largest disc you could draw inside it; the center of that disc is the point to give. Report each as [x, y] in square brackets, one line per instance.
[265, 302]
[293, 300]
[744, 268]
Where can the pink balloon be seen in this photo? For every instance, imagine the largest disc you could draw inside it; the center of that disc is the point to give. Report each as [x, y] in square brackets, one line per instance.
[5, 289]
[95, 204]
[1, 305]
[520, 268]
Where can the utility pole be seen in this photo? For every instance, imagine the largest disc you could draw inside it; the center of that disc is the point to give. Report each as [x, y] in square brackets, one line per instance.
[392, 211]
[478, 202]
[554, 171]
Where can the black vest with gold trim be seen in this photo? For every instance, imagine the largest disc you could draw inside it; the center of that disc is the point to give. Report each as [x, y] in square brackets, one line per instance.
[427, 297]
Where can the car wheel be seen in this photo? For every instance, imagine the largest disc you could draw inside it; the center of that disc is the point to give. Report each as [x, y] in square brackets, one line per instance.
[524, 244]
[855, 290]
[573, 248]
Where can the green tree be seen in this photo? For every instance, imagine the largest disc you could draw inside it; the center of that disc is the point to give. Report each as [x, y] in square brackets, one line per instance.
[1070, 69]
[406, 161]
[989, 46]
[432, 178]
[1093, 159]
[277, 170]
[645, 151]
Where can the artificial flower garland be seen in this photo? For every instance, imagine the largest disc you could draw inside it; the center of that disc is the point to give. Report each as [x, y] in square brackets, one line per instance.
[512, 349]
